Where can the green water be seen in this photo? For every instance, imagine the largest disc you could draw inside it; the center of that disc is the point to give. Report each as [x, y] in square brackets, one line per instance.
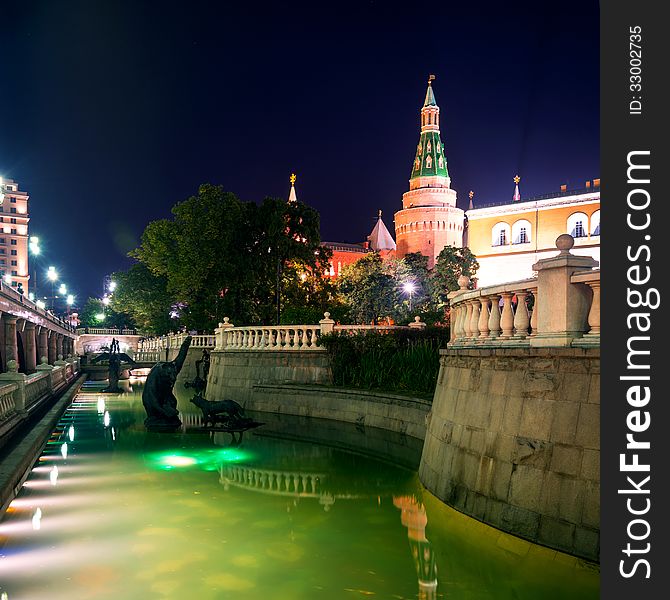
[300, 509]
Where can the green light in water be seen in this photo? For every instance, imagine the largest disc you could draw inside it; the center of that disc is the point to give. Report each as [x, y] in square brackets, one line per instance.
[207, 459]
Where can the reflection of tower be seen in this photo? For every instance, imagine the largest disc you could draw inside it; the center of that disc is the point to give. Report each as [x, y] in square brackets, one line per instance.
[413, 516]
[429, 219]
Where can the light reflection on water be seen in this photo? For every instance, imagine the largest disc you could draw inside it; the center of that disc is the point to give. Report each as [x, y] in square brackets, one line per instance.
[299, 509]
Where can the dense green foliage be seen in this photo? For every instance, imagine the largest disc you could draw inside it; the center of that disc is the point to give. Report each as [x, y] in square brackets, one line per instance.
[405, 362]
[219, 256]
[95, 314]
[376, 289]
[145, 298]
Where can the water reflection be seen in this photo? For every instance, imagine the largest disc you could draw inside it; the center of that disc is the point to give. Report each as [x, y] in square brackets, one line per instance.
[300, 508]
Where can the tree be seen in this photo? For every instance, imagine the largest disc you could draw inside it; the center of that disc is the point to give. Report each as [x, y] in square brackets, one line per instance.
[144, 297]
[223, 257]
[369, 289]
[412, 278]
[451, 263]
[96, 314]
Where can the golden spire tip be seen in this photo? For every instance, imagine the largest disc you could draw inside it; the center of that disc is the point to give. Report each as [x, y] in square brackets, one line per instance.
[292, 178]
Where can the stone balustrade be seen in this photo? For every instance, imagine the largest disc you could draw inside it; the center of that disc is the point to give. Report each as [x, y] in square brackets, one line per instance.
[21, 394]
[276, 337]
[283, 483]
[104, 331]
[560, 307]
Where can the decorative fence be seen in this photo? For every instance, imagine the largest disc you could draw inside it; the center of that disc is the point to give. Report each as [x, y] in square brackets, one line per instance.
[565, 301]
[21, 394]
[259, 337]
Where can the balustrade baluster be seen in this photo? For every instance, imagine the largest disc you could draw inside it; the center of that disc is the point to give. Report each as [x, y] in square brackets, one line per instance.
[263, 340]
[507, 317]
[474, 319]
[468, 319]
[594, 311]
[296, 338]
[533, 315]
[521, 320]
[494, 317]
[304, 344]
[483, 318]
[460, 318]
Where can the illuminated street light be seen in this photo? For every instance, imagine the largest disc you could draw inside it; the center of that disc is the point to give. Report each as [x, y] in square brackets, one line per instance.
[409, 288]
[7, 279]
[70, 300]
[105, 300]
[40, 304]
[52, 276]
[62, 290]
[112, 286]
[100, 317]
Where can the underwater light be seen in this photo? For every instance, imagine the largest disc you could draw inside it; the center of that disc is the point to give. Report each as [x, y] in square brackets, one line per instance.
[37, 519]
[63, 450]
[70, 433]
[53, 475]
[107, 419]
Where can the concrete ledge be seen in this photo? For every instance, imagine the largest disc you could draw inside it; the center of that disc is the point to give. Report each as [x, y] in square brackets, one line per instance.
[392, 412]
[16, 462]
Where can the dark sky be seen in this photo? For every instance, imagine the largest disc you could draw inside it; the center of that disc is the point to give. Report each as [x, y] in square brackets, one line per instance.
[112, 111]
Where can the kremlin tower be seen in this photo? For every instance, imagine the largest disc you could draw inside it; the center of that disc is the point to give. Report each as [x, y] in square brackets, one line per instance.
[429, 219]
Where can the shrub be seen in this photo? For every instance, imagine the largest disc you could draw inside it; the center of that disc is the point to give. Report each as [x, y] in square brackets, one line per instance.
[403, 361]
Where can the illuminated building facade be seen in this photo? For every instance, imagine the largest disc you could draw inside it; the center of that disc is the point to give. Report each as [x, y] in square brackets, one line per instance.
[429, 219]
[14, 234]
[508, 239]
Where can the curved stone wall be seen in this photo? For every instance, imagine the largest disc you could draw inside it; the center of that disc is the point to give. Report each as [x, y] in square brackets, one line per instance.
[513, 440]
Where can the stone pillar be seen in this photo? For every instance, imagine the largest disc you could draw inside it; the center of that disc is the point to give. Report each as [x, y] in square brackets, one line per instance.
[52, 356]
[30, 346]
[59, 346]
[563, 307]
[11, 350]
[42, 344]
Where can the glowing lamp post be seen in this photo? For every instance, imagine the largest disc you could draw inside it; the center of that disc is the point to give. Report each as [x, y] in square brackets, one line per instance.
[409, 288]
[35, 250]
[69, 301]
[52, 276]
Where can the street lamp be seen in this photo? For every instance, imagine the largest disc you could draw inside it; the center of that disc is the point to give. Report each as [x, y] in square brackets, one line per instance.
[35, 250]
[409, 288]
[52, 276]
[69, 301]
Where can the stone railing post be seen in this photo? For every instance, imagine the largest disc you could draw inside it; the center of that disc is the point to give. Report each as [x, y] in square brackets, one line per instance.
[13, 376]
[327, 324]
[521, 318]
[417, 324]
[562, 314]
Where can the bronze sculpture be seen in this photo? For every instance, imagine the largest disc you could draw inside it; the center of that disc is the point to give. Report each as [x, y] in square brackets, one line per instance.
[158, 398]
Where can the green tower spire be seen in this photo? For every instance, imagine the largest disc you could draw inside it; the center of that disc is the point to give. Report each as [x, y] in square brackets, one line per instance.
[430, 160]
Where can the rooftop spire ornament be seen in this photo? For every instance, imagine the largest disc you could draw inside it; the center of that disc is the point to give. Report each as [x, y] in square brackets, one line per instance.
[517, 195]
[292, 195]
[471, 195]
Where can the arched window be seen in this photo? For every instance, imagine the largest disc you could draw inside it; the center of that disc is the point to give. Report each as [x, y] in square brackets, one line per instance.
[500, 234]
[521, 232]
[595, 223]
[429, 161]
[578, 225]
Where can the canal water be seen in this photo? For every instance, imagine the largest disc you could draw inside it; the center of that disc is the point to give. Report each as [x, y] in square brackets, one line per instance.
[298, 509]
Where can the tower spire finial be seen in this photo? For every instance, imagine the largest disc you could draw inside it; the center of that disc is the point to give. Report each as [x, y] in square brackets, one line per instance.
[431, 77]
[471, 195]
[517, 195]
[292, 195]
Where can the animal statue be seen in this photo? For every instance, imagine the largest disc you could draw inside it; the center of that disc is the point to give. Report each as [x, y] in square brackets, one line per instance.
[158, 398]
[227, 412]
[200, 383]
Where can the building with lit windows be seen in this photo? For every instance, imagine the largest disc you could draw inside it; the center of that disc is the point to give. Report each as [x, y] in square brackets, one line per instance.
[508, 239]
[14, 234]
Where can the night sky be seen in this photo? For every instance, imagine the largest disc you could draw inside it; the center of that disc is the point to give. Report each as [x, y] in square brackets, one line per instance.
[113, 111]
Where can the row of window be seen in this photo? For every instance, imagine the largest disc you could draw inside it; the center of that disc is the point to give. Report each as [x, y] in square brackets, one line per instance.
[12, 209]
[578, 226]
[13, 252]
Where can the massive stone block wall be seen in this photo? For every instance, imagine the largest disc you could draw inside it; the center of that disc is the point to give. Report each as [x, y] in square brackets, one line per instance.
[233, 374]
[513, 439]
